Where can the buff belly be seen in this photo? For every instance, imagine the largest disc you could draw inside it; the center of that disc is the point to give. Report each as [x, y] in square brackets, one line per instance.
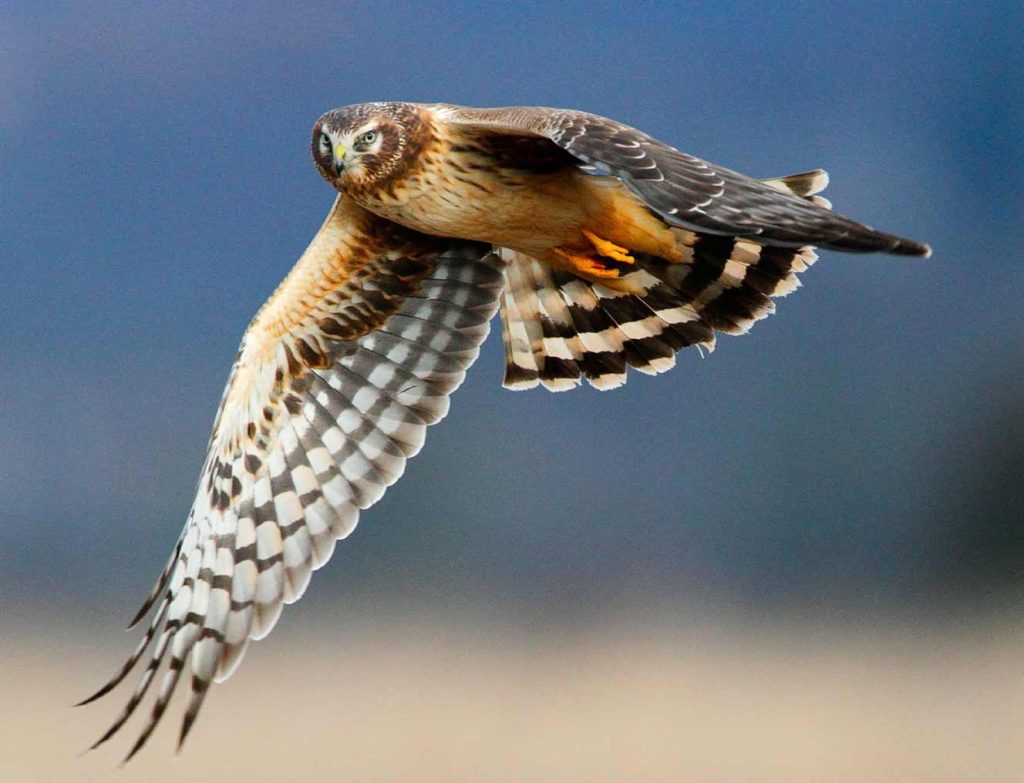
[533, 214]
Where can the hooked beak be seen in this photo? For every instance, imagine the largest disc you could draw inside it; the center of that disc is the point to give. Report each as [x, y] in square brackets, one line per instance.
[339, 159]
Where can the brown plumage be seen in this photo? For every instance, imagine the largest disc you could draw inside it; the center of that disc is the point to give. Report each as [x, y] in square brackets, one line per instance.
[606, 204]
[605, 249]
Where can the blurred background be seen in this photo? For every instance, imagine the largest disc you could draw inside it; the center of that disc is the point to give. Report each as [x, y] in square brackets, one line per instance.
[801, 558]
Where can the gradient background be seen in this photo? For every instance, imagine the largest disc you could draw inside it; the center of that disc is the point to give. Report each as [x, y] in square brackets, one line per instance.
[799, 559]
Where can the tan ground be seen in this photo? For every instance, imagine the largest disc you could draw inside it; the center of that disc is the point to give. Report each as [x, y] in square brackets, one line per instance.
[426, 701]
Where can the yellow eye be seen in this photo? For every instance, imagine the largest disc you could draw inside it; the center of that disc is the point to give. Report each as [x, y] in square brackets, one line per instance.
[368, 138]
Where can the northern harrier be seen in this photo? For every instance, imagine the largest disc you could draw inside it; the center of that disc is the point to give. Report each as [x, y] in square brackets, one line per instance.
[602, 247]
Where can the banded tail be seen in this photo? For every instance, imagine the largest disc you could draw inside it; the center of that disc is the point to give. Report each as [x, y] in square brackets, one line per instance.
[559, 329]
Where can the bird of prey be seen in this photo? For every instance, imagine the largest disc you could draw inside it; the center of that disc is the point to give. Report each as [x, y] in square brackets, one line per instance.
[602, 247]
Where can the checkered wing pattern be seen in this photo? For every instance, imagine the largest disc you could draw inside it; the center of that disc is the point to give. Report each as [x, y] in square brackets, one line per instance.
[335, 382]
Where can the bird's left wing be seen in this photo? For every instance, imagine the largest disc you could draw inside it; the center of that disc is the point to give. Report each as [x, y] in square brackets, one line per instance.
[684, 190]
[335, 382]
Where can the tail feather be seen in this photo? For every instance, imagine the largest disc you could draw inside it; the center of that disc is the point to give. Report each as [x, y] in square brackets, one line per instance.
[602, 362]
[562, 347]
[518, 317]
[560, 329]
[582, 329]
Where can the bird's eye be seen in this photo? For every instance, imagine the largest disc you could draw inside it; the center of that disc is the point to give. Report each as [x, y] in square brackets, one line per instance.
[325, 142]
[368, 138]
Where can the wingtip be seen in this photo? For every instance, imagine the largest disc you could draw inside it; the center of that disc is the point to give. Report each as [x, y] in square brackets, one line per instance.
[106, 736]
[908, 247]
[919, 249]
[137, 618]
[186, 727]
[139, 743]
[107, 688]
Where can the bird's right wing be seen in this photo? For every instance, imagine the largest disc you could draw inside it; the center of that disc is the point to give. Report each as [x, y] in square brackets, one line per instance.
[335, 382]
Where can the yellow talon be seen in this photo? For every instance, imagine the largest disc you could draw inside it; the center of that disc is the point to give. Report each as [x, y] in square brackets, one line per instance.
[585, 265]
[609, 249]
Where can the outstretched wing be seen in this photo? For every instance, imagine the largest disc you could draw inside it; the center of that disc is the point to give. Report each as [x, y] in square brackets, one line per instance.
[335, 382]
[683, 190]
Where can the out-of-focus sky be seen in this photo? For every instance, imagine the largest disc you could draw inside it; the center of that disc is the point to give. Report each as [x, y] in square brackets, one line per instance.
[862, 448]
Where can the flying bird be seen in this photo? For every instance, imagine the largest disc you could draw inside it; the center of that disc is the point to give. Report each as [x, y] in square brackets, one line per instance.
[602, 247]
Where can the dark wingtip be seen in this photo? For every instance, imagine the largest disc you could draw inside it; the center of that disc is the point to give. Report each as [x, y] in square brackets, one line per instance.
[139, 743]
[138, 616]
[107, 735]
[186, 727]
[146, 606]
[907, 247]
[107, 688]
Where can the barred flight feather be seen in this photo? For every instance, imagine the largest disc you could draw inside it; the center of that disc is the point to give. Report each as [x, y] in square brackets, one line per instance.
[560, 329]
[325, 403]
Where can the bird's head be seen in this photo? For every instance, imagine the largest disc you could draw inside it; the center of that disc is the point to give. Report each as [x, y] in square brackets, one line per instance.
[361, 146]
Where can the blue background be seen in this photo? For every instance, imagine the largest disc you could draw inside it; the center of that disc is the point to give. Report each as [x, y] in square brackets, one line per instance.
[858, 452]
